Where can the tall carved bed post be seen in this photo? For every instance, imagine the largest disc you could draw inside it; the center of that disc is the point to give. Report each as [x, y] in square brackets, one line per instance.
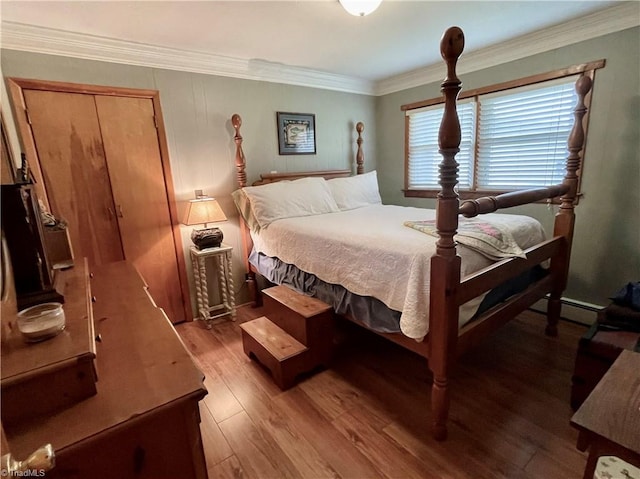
[241, 175]
[445, 264]
[359, 152]
[565, 218]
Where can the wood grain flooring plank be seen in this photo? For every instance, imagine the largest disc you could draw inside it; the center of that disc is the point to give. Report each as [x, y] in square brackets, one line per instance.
[542, 421]
[391, 397]
[230, 468]
[260, 405]
[208, 351]
[343, 457]
[258, 454]
[216, 447]
[449, 463]
[331, 393]
[390, 459]
[221, 402]
[544, 465]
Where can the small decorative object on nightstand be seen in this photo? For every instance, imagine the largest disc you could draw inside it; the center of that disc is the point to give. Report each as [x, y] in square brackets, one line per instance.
[221, 256]
[201, 211]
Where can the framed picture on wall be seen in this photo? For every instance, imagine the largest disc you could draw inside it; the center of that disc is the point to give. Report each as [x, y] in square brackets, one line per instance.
[296, 133]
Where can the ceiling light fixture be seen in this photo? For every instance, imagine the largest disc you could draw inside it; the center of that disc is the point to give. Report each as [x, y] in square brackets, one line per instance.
[360, 8]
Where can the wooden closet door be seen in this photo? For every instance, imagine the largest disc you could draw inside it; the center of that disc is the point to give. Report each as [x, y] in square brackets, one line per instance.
[69, 143]
[133, 156]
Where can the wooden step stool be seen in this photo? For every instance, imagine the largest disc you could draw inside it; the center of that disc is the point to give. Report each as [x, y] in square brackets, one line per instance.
[295, 336]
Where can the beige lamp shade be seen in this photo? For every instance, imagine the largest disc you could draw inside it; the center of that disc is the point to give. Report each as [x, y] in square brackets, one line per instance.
[203, 210]
[200, 211]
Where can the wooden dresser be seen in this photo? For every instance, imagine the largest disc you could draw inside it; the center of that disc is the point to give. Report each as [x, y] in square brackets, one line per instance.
[143, 421]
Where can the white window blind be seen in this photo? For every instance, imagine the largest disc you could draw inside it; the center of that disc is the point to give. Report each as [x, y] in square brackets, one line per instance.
[522, 141]
[424, 159]
[521, 133]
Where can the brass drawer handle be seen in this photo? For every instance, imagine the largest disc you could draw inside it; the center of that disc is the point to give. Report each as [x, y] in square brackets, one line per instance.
[42, 459]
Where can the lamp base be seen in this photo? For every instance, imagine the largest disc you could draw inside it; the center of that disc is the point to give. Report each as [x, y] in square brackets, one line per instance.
[207, 238]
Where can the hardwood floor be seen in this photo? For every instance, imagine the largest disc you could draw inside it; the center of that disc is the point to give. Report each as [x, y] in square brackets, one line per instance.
[368, 416]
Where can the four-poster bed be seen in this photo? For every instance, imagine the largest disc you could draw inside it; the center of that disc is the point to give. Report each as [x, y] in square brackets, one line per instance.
[450, 284]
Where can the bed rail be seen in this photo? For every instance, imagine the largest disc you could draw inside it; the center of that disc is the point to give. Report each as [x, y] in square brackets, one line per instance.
[477, 330]
[489, 204]
[493, 276]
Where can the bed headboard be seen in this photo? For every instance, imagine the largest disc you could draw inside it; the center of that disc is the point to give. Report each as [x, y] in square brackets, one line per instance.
[265, 178]
[326, 174]
[241, 176]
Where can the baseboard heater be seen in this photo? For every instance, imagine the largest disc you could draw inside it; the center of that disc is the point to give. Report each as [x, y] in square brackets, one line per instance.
[572, 310]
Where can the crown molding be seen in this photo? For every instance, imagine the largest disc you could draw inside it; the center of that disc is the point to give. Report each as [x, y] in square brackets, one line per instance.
[22, 37]
[31, 38]
[607, 21]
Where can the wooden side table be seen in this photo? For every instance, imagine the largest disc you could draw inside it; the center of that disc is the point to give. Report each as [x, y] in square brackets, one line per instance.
[609, 419]
[223, 267]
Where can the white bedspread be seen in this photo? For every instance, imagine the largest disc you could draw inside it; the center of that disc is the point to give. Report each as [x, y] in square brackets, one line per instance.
[371, 253]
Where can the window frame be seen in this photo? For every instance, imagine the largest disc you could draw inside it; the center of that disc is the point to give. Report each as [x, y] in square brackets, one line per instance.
[584, 68]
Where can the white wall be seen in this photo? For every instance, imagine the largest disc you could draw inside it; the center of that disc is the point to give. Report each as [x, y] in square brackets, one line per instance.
[197, 110]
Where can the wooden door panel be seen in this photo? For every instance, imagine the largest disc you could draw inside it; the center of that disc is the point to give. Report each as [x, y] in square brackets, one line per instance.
[68, 140]
[7, 166]
[137, 179]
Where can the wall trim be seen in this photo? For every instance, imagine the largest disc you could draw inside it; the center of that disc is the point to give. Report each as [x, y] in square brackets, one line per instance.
[23, 37]
[31, 38]
[611, 20]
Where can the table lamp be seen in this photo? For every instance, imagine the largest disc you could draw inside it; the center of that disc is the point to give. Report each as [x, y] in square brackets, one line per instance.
[203, 210]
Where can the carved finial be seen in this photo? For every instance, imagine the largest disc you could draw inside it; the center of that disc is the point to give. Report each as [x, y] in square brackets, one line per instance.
[359, 153]
[452, 43]
[236, 121]
[583, 86]
[241, 163]
[451, 47]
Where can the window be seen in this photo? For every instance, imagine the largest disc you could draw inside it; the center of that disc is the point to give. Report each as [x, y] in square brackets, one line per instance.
[424, 158]
[512, 136]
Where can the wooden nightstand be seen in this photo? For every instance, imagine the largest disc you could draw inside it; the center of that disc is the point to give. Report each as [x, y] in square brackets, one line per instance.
[223, 268]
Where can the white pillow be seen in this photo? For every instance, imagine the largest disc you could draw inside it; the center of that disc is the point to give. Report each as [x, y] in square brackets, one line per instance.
[288, 199]
[244, 207]
[355, 191]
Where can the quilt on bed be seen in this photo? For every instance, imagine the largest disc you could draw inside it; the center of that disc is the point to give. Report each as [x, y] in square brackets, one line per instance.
[371, 252]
